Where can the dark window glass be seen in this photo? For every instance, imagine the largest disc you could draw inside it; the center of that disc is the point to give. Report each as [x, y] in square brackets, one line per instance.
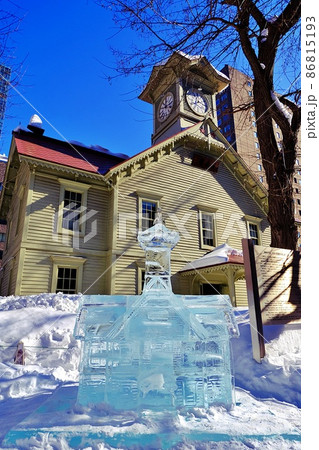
[148, 214]
[207, 229]
[71, 210]
[205, 162]
[66, 282]
[253, 233]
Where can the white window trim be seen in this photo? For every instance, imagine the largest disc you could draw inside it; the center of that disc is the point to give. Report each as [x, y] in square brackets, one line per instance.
[20, 196]
[203, 209]
[73, 186]
[147, 197]
[140, 271]
[254, 221]
[69, 262]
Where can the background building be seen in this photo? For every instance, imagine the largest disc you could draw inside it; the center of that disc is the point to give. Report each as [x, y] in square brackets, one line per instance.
[237, 122]
[3, 222]
[5, 74]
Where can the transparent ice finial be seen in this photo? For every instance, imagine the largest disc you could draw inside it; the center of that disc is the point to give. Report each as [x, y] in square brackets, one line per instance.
[157, 242]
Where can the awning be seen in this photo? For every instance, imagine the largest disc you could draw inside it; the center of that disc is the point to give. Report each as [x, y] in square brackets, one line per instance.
[223, 254]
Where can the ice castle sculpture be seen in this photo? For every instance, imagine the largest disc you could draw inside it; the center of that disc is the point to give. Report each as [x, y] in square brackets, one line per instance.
[156, 350]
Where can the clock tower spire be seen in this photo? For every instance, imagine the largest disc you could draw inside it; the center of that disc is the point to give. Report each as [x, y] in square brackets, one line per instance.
[182, 91]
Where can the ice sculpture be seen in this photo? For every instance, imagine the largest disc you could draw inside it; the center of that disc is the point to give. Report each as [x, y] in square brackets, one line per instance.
[156, 350]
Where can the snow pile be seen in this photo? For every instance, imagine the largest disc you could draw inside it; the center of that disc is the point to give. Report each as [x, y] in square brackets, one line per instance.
[44, 323]
[59, 302]
[279, 374]
[267, 394]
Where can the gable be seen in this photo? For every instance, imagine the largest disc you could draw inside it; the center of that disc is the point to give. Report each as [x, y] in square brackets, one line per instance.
[209, 150]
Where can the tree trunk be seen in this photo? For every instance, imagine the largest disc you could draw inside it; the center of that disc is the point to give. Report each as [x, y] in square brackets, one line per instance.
[281, 216]
[279, 168]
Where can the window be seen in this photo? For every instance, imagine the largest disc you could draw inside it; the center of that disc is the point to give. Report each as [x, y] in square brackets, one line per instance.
[259, 166]
[72, 207]
[148, 205]
[255, 134]
[140, 280]
[253, 229]
[21, 210]
[212, 289]
[207, 226]
[252, 113]
[261, 179]
[71, 210]
[249, 83]
[205, 162]
[250, 93]
[2, 237]
[148, 214]
[253, 123]
[256, 145]
[66, 280]
[258, 155]
[67, 274]
[207, 229]
[253, 233]
[278, 135]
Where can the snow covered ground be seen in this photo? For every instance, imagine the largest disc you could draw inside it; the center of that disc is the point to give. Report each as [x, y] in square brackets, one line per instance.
[39, 394]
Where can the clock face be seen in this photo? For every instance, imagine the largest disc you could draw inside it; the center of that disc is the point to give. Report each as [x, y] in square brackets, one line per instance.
[197, 101]
[165, 107]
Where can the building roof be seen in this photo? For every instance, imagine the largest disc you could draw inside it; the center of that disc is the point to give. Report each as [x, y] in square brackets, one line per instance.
[90, 159]
[177, 64]
[223, 254]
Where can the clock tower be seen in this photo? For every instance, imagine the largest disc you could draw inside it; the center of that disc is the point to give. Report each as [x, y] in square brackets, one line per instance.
[182, 91]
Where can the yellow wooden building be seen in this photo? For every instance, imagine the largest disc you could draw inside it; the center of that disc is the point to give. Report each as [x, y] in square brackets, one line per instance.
[73, 212]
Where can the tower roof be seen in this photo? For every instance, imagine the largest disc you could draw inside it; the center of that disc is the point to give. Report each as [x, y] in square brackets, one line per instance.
[177, 65]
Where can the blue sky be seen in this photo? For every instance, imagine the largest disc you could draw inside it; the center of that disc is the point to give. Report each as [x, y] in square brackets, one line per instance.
[64, 49]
